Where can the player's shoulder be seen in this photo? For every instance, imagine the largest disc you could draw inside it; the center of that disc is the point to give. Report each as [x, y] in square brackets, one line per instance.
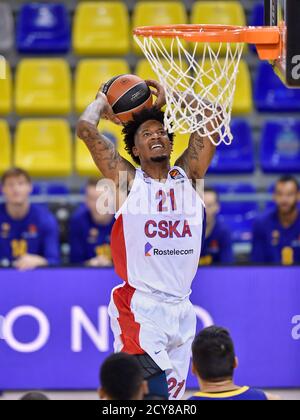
[259, 394]
[256, 394]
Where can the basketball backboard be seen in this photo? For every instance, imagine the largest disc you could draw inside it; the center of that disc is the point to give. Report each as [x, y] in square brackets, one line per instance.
[286, 15]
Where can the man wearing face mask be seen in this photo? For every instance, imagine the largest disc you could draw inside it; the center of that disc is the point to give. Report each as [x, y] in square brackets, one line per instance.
[90, 231]
[276, 235]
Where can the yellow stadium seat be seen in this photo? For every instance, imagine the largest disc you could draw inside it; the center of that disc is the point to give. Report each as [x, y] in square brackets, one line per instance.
[90, 74]
[43, 87]
[101, 28]
[158, 13]
[218, 12]
[5, 146]
[43, 147]
[5, 89]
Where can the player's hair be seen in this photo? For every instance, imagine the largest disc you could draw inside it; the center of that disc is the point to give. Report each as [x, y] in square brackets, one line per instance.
[288, 178]
[121, 377]
[214, 354]
[15, 173]
[131, 128]
[212, 190]
[34, 396]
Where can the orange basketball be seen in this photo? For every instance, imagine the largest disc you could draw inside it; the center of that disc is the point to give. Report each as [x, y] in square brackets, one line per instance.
[128, 94]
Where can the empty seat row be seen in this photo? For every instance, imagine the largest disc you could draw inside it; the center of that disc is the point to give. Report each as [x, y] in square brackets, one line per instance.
[103, 28]
[44, 86]
[44, 147]
[279, 149]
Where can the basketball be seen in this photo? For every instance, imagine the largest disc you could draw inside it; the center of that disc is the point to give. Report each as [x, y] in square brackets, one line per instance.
[127, 94]
[150, 202]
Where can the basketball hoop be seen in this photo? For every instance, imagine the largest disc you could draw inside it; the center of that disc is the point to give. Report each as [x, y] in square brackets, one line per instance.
[199, 82]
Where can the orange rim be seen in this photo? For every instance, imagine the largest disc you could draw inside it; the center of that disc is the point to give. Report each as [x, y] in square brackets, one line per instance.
[267, 39]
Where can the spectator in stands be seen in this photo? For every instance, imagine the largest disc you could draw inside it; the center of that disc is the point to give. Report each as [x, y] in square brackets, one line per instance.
[217, 247]
[214, 362]
[276, 234]
[121, 378]
[90, 231]
[29, 235]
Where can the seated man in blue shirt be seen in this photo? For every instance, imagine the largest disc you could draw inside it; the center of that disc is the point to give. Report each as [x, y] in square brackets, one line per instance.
[29, 236]
[217, 248]
[276, 234]
[214, 363]
[90, 231]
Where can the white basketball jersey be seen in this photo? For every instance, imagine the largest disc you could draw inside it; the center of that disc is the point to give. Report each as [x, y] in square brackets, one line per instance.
[158, 233]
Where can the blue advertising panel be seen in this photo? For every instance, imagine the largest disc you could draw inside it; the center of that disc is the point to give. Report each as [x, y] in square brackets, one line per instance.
[55, 329]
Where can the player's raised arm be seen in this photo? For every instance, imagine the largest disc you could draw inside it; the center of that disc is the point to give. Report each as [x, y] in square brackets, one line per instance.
[197, 158]
[103, 151]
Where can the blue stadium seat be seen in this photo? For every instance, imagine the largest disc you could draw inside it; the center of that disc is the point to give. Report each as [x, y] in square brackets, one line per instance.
[238, 208]
[52, 188]
[238, 215]
[270, 94]
[240, 188]
[37, 189]
[238, 158]
[43, 28]
[280, 147]
[240, 227]
[257, 16]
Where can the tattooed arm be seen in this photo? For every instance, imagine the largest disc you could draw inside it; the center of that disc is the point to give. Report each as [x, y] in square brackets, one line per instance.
[198, 156]
[103, 151]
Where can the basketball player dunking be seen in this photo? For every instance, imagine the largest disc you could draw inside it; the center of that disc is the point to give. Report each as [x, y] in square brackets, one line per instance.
[155, 252]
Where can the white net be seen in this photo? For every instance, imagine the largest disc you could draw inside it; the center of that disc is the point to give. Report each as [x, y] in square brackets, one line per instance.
[199, 82]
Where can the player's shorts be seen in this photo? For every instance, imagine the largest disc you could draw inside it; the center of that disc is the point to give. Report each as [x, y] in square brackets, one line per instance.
[165, 331]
